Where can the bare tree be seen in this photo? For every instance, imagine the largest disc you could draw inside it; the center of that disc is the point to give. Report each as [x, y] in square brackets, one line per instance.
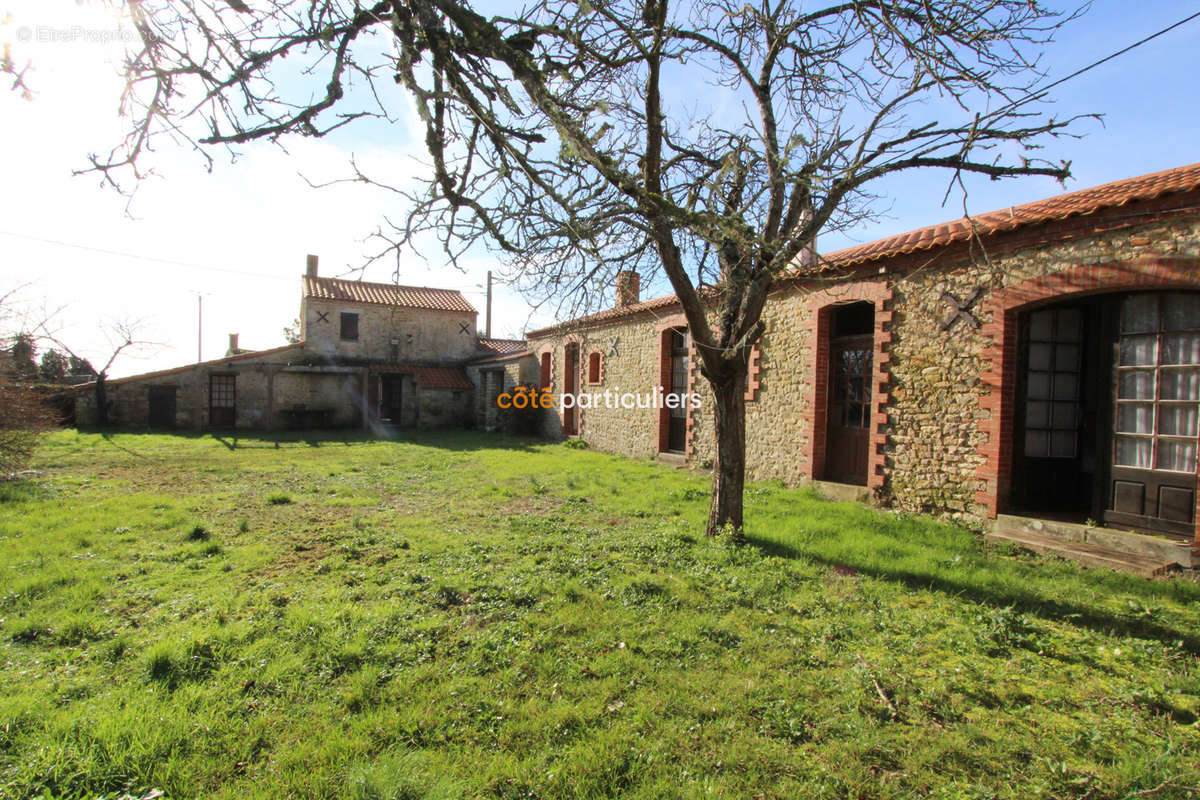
[9, 67]
[121, 335]
[707, 141]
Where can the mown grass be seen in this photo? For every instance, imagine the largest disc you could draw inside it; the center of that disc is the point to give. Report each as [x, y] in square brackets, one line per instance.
[467, 616]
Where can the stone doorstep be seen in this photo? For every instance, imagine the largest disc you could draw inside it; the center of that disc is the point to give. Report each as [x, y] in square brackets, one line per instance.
[842, 492]
[1138, 544]
[677, 460]
[1089, 555]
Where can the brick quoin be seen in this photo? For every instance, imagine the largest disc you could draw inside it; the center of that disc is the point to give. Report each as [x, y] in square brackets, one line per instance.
[1001, 310]
[818, 314]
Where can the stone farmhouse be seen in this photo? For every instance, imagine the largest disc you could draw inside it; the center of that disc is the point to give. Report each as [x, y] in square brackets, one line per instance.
[1036, 368]
[371, 356]
[1041, 361]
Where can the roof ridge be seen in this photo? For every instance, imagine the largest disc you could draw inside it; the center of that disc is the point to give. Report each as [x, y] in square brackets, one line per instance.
[1087, 200]
[385, 285]
[243, 356]
[1149, 186]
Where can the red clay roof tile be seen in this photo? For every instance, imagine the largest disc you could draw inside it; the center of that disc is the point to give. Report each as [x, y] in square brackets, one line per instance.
[441, 378]
[1078, 203]
[386, 294]
[500, 347]
[1084, 201]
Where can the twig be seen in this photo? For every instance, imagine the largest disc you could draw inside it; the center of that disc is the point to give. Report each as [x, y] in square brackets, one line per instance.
[878, 689]
[1161, 786]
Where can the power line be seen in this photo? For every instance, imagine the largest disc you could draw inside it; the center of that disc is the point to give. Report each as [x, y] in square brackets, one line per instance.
[1107, 58]
[174, 262]
[153, 259]
[1040, 93]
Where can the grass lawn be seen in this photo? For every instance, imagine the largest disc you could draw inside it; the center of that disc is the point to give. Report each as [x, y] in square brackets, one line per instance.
[468, 616]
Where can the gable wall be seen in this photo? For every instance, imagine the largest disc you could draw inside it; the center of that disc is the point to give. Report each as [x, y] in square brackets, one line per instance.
[421, 335]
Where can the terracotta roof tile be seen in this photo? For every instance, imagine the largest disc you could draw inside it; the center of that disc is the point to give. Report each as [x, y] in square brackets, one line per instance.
[616, 312]
[500, 346]
[386, 294]
[441, 378]
[1078, 203]
[489, 358]
[1084, 201]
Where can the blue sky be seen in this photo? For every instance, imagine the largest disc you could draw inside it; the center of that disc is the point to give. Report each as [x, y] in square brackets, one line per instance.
[238, 236]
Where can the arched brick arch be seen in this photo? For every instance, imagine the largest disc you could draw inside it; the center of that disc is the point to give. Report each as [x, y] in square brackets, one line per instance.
[663, 328]
[577, 385]
[546, 367]
[818, 311]
[999, 373]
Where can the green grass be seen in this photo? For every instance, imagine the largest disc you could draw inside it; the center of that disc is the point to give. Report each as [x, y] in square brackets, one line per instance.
[467, 616]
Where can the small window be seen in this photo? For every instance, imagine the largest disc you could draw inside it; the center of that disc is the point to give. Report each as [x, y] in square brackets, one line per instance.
[349, 326]
[594, 372]
[546, 375]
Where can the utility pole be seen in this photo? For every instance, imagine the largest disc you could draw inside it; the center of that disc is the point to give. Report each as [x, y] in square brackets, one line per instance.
[487, 331]
[199, 327]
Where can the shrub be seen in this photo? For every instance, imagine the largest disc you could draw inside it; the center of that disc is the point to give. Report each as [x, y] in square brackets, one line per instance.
[198, 534]
[24, 417]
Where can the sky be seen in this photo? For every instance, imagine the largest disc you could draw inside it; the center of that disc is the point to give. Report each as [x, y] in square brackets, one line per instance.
[235, 239]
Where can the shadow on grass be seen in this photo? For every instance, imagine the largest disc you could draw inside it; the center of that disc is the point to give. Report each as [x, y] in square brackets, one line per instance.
[107, 435]
[1024, 600]
[453, 440]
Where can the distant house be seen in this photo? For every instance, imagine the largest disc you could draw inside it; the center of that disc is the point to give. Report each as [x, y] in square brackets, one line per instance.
[370, 355]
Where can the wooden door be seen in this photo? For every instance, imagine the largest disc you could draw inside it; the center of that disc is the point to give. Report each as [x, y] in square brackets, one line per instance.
[1152, 482]
[677, 417]
[391, 398]
[222, 401]
[162, 407]
[571, 387]
[848, 431]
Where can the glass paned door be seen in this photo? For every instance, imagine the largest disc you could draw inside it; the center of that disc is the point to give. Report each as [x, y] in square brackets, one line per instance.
[1052, 383]
[222, 400]
[1157, 418]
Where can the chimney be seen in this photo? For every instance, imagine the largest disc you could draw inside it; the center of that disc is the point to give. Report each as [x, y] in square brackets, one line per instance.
[628, 288]
[233, 345]
[311, 271]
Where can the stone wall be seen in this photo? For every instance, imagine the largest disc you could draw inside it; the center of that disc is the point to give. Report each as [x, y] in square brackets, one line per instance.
[444, 408]
[634, 367]
[338, 391]
[492, 378]
[930, 433]
[263, 387]
[937, 436]
[386, 333]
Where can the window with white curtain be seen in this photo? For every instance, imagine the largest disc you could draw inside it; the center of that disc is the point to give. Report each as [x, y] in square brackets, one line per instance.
[1158, 382]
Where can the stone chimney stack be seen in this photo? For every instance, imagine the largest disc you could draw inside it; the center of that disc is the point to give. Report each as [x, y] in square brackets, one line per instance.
[233, 345]
[311, 271]
[628, 288]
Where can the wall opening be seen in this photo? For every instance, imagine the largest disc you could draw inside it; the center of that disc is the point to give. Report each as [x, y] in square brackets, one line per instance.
[673, 378]
[848, 392]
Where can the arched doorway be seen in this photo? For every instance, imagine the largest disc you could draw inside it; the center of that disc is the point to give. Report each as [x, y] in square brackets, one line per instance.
[1107, 410]
[851, 367]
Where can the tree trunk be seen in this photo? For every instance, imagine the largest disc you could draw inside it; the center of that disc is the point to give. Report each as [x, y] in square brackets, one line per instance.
[729, 467]
[101, 402]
